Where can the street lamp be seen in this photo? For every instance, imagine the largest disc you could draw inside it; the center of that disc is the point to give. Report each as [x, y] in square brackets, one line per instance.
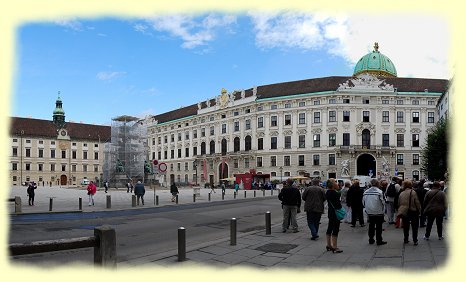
[281, 174]
[195, 167]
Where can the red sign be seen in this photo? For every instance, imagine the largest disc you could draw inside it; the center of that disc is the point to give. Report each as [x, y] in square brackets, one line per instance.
[155, 162]
[162, 167]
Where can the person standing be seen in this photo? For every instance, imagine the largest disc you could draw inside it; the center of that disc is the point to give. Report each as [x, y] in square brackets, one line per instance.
[31, 193]
[91, 190]
[222, 185]
[291, 204]
[314, 198]
[139, 191]
[354, 200]
[435, 206]
[408, 208]
[236, 187]
[333, 199]
[343, 195]
[374, 203]
[174, 191]
[421, 190]
[211, 188]
[129, 186]
[390, 194]
[106, 186]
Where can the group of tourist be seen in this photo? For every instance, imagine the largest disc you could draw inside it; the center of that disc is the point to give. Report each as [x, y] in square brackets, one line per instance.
[407, 203]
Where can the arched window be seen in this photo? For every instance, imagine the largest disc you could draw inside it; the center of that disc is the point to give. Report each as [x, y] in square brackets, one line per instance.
[247, 143]
[212, 147]
[224, 147]
[203, 152]
[236, 146]
[366, 138]
[416, 175]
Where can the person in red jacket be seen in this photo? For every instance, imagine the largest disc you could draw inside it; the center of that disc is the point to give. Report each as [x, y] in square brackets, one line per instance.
[91, 190]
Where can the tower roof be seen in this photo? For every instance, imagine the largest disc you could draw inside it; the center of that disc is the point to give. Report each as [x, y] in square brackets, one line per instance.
[375, 63]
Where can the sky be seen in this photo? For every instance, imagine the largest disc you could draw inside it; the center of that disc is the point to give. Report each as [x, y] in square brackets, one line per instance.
[107, 67]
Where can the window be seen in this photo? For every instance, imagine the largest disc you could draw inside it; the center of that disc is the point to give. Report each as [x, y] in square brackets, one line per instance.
[179, 153]
[153, 141]
[287, 142]
[236, 144]
[385, 102]
[365, 116]
[195, 133]
[194, 151]
[14, 166]
[287, 119]
[28, 141]
[301, 104]
[345, 101]
[346, 116]
[287, 105]
[96, 168]
[52, 142]
[246, 163]
[28, 152]
[96, 155]
[15, 140]
[28, 166]
[186, 166]
[415, 102]
[385, 116]
[315, 159]
[172, 154]
[400, 140]
[301, 160]
[41, 153]
[211, 118]
[224, 147]
[302, 118]
[172, 138]
[15, 152]
[430, 117]
[186, 152]
[247, 143]
[260, 144]
[259, 108]
[273, 161]
[316, 140]
[273, 107]
[399, 117]
[179, 136]
[202, 132]
[332, 139]
[260, 122]
[52, 167]
[224, 115]
[415, 159]
[203, 150]
[73, 168]
[430, 103]
[385, 140]
[316, 117]
[415, 117]
[178, 166]
[415, 140]
[224, 128]
[416, 175]
[331, 159]
[63, 154]
[259, 162]
[399, 102]
[332, 101]
[235, 113]
[273, 142]
[84, 155]
[236, 126]
[165, 155]
[302, 141]
[235, 163]
[63, 167]
[273, 121]
[212, 130]
[186, 135]
[365, 101]
[332, 116]
[346, 139]
[159, 154]
[399, 159]
[248, 124]
[212, 147]
[165, 139]
[286, 160]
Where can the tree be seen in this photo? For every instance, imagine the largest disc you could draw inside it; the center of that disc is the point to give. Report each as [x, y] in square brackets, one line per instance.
[435, 153]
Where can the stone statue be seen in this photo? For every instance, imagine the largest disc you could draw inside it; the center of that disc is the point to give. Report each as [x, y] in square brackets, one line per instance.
[385, 166]
[147, 168]
[120, 167]
[345, 168]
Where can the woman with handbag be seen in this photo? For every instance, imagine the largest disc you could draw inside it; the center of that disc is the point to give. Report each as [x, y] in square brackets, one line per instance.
[435, 206]
[333, 199]
[409, 208]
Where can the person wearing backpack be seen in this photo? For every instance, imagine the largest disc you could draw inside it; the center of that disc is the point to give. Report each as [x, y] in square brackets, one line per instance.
[390, 195]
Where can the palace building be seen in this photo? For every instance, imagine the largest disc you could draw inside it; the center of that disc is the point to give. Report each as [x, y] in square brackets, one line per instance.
[370, 123]
[56, 152]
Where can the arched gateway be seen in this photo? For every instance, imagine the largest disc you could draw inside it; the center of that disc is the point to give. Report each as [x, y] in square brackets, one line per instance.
[366, 164]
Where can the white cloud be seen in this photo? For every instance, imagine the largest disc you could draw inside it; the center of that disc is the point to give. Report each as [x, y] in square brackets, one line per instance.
[109, 75]
[70, 24]
[194, 31]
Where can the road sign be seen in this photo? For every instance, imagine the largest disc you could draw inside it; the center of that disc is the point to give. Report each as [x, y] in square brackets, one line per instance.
[155, 162]
[162, 167]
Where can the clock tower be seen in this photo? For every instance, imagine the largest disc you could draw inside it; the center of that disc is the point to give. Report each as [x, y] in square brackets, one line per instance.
[59, 113]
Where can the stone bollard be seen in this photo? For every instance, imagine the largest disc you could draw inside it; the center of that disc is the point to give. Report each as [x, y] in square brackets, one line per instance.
[109, 202]
[176, 201]
[233, 232]
[157, 200]
[133, 200]
[105, 250]
[209, 197]
[51, 204]
[80, 204]
[268, 223]
[181, 244]
[18, 208]
[254, 193]
[194, 198]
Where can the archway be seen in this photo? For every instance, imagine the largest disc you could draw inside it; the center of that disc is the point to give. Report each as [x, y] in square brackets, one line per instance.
[63, 180]
[366, 164]
[222, 170]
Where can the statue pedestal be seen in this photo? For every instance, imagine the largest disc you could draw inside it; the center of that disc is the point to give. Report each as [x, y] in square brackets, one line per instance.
[121, 180]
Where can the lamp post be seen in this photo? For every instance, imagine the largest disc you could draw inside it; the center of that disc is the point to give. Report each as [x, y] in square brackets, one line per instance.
[281, 174]
[195, 167]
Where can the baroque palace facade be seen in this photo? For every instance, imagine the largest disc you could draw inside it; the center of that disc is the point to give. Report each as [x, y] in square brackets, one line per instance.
[371, 123]
[56, 152]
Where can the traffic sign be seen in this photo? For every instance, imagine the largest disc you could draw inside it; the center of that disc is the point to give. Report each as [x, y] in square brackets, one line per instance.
[155, 162]
[162, 167]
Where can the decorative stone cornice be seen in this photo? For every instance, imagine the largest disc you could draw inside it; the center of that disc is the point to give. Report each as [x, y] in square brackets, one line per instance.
[332, 130]
[365, 125]
[302, 131]
[274, 133]
[400, 130]
[316, 131]
[288, 132]
[415, 130]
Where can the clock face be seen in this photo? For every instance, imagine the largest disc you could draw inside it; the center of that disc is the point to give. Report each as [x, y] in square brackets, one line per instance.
[63, 133]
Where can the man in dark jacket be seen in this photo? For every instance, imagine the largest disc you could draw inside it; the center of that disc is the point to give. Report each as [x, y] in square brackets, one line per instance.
[354, 200]
[174, 191]
[421, 193]
[139, 191]
[314, 198]
[291, 204]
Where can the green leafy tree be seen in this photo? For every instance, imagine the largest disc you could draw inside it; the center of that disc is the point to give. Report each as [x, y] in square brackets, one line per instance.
[435, 153]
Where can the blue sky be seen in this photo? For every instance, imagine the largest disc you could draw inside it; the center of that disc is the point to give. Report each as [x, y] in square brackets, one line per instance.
[143, 66]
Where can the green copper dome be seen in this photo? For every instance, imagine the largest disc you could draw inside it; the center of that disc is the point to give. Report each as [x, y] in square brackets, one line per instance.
[59, 113]
[375, 63]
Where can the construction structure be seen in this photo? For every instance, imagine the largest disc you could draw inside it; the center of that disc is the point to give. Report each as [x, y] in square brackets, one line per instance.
[126, 153]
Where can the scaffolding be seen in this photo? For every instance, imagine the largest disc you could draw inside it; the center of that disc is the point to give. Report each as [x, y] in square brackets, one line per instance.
[126, 153]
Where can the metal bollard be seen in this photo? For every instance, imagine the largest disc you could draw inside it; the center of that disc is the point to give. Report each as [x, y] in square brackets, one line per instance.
[181, 244]
[50, 204]
[157, 200]
[18, 208]
[105, 250]
[176, 199]
[209, 197]
[268, 223]
[234, 195]
[233, 232]
[80, 204]
[194, 198]
[133, 201]
[109, 202]
[245, 194]
[254, 193]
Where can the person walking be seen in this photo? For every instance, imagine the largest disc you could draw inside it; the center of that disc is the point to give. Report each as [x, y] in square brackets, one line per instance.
[31, 193]
[435, 206]
[333, 199]
[236, 187]
[390, 194]
[212, 187]
[222, 185]
[343, 199]
[129, 186]
[173, 191]
[91, 190]
[408, 208]
[291, 204]
[374, 203]
[421, 190]
[106, 186]
[354, 200]
[314, 198]
[139, 191]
